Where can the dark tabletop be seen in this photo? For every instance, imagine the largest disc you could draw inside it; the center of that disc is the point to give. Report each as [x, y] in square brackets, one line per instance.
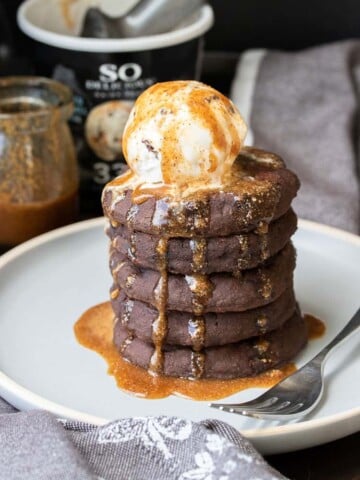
[338, 460]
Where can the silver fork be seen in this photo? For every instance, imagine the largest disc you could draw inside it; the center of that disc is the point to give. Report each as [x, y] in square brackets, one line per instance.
[297, 394]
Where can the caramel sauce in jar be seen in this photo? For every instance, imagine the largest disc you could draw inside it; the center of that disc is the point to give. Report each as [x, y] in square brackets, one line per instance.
[94, 330]
[38, 168]
[19, 222]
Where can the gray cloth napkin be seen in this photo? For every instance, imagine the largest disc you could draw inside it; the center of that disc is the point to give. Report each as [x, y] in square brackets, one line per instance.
[37, 445]
[304, 106]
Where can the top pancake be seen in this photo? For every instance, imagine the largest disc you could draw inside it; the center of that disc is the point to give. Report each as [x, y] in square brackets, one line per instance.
[260, 189]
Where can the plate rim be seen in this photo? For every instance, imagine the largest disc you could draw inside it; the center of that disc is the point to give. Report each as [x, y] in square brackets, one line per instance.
[38, 402]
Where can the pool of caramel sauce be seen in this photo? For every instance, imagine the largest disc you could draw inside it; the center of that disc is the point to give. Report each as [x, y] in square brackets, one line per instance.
[315, 326]
[94, 330]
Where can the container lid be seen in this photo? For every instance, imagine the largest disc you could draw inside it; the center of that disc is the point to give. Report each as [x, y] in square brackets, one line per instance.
[32, 20]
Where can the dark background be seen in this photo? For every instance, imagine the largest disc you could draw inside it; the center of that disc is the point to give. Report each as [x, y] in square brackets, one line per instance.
[276, 24]
[286, 24]
[239, 24]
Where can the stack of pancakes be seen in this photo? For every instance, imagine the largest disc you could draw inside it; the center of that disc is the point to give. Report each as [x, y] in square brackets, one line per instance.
[203, 285]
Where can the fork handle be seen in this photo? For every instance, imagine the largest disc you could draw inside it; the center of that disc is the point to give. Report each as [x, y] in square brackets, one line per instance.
[349, 328]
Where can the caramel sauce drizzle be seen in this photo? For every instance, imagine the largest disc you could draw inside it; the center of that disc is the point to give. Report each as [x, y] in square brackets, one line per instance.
[172, 216]
[202, 214]
[114, 293]
[266, 287]
[201, 288]
[94, 330]
[131, 214]
[262, 230]
[159, 326]
[261, 346]
[124, 319]
[185, 211]
[197, 101]
[196, 329]
[196, 325]
[142, 193]
[130, 279]
[261, 323]
[130, 218]
[131, 253]
[129, 304]
[243, 251]
[172, 219]
[197, 364]
[116, 270]
[128, 308]
[316, 327]
[160, 214]
[199, 250]
[128, 340]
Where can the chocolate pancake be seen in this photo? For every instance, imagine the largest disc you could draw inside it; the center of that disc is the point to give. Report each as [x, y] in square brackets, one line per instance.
[206, 255]
[212, 329]
[259, 188]
[242, 359]
[217, 292]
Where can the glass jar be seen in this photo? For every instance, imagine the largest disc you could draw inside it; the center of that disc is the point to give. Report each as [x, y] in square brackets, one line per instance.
[38, 168]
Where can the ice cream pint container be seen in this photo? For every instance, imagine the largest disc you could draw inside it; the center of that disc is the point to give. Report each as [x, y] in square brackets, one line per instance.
[106, 76]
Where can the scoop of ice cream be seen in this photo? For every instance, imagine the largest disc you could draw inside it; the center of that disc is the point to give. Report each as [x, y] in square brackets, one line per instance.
[183, 133]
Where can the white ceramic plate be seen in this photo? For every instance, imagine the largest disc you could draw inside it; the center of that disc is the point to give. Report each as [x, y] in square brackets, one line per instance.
[48, 282]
